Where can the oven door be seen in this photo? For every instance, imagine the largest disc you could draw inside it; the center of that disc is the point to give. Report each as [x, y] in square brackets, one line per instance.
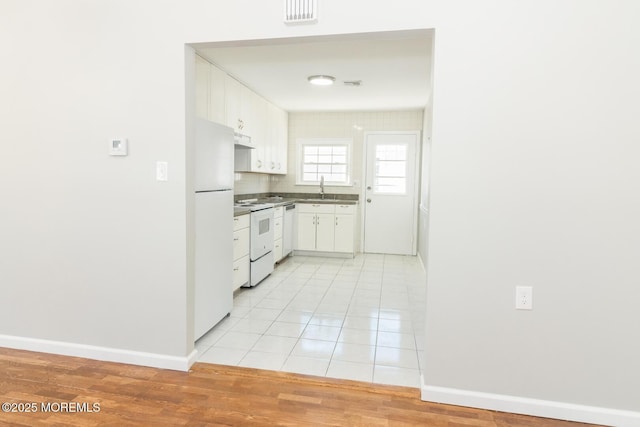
[261, 233]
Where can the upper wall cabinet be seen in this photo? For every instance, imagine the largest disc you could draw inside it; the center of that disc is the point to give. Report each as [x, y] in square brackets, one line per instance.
[210, 91]
[202, 88]
[223, 99]
[217, 94]
[233, 115]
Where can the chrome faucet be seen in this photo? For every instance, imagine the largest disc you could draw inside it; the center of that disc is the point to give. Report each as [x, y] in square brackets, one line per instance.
[322, 186]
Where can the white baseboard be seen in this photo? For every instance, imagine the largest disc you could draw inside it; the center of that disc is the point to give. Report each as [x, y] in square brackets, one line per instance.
[527, 406]
[108, 354]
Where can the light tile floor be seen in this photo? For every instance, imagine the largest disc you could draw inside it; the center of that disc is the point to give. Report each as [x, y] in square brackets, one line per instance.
[360, 319]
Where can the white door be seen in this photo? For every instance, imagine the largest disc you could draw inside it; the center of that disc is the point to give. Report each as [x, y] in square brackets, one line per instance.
[390, 209]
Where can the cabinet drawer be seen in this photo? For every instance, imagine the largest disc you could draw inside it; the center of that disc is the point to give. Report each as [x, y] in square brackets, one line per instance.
[240, 243]
[315, 208]
[241, 221]
[277, 228]
[346, 209]
[277, 250]
[240, 272]
[278, 212]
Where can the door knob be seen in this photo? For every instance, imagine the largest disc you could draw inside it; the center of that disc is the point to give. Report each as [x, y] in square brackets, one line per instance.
[368, 200]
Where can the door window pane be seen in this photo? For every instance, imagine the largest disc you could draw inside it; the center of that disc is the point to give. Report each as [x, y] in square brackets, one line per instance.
[391, 169]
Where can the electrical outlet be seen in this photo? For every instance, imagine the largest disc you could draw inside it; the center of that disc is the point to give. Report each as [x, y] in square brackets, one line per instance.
[524, 298]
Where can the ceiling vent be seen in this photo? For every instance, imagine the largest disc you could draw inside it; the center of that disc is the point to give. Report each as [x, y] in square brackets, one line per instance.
[300, 11]
[352, 82]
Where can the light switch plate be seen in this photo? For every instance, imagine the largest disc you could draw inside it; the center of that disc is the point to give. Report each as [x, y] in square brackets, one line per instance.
[162, 171]
[118, 147]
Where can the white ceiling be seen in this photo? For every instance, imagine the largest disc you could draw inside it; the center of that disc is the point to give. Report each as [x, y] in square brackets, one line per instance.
[394, 68]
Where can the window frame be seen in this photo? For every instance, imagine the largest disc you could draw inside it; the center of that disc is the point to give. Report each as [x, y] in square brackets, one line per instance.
[301, 143]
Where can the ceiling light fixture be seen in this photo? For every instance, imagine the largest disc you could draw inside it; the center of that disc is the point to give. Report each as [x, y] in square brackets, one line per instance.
[321, 80]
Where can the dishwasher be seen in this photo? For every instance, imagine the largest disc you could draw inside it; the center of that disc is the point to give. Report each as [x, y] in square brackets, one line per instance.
[287, 229]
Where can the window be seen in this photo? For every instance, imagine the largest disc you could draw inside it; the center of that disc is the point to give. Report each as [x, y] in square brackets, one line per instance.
[327, 157]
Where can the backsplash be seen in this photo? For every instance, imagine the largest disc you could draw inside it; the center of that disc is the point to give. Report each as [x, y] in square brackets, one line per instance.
[250, 183]
[330, 125]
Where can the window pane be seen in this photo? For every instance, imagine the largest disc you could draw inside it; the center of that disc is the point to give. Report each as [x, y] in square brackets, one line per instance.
[309, 168]
[390, 185]
[324, 159]
[340, 150]
[339, 169]
[310, 150]
[339, 159]
[391, 168]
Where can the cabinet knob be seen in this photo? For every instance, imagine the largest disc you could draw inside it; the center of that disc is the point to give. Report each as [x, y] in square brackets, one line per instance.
[235, 269]
[235, 239]
[368, 187]
[368, 200]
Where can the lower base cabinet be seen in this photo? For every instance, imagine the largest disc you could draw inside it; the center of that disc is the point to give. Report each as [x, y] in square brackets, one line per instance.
[241, 237]
[240, 272]
[325, 227]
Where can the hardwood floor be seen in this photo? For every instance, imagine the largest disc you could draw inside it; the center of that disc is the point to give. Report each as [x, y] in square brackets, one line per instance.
[127, 395]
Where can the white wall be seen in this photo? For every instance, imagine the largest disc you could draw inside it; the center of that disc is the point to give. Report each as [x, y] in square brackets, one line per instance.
[339, 124]
[534, 181]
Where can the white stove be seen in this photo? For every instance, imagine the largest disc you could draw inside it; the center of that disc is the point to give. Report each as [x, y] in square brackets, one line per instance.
[253, 205]
[261, 242]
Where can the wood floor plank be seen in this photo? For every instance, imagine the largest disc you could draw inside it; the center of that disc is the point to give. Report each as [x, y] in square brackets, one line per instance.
[211, 395]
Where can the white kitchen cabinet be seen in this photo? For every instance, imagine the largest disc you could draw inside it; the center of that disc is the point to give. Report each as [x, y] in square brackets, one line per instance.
[202, 87]
[210, 94]
[324, 232]
[344, 233]
[278, 222]
[232, 92]
[216, 95]
[306, 230]
[258, 129]
[325, 227]
[277, 139]
[241, 242]
[222, 99]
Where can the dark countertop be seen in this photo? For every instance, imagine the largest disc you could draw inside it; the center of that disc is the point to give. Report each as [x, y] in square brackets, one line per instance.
[291, 198]
[328, 201]
[282, 201]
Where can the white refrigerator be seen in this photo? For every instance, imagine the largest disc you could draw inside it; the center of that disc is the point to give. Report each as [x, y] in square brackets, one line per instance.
[214, 151]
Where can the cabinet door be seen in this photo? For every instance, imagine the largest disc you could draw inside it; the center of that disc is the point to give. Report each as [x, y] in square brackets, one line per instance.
[260, 161]
[277, 250]
[232, 90]
[277, 228]
[216, 95]
[240, 272]
[324, 232]
[344, 233]
[241, 241]
[306, 232]
[282, 139]
[202, 88]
